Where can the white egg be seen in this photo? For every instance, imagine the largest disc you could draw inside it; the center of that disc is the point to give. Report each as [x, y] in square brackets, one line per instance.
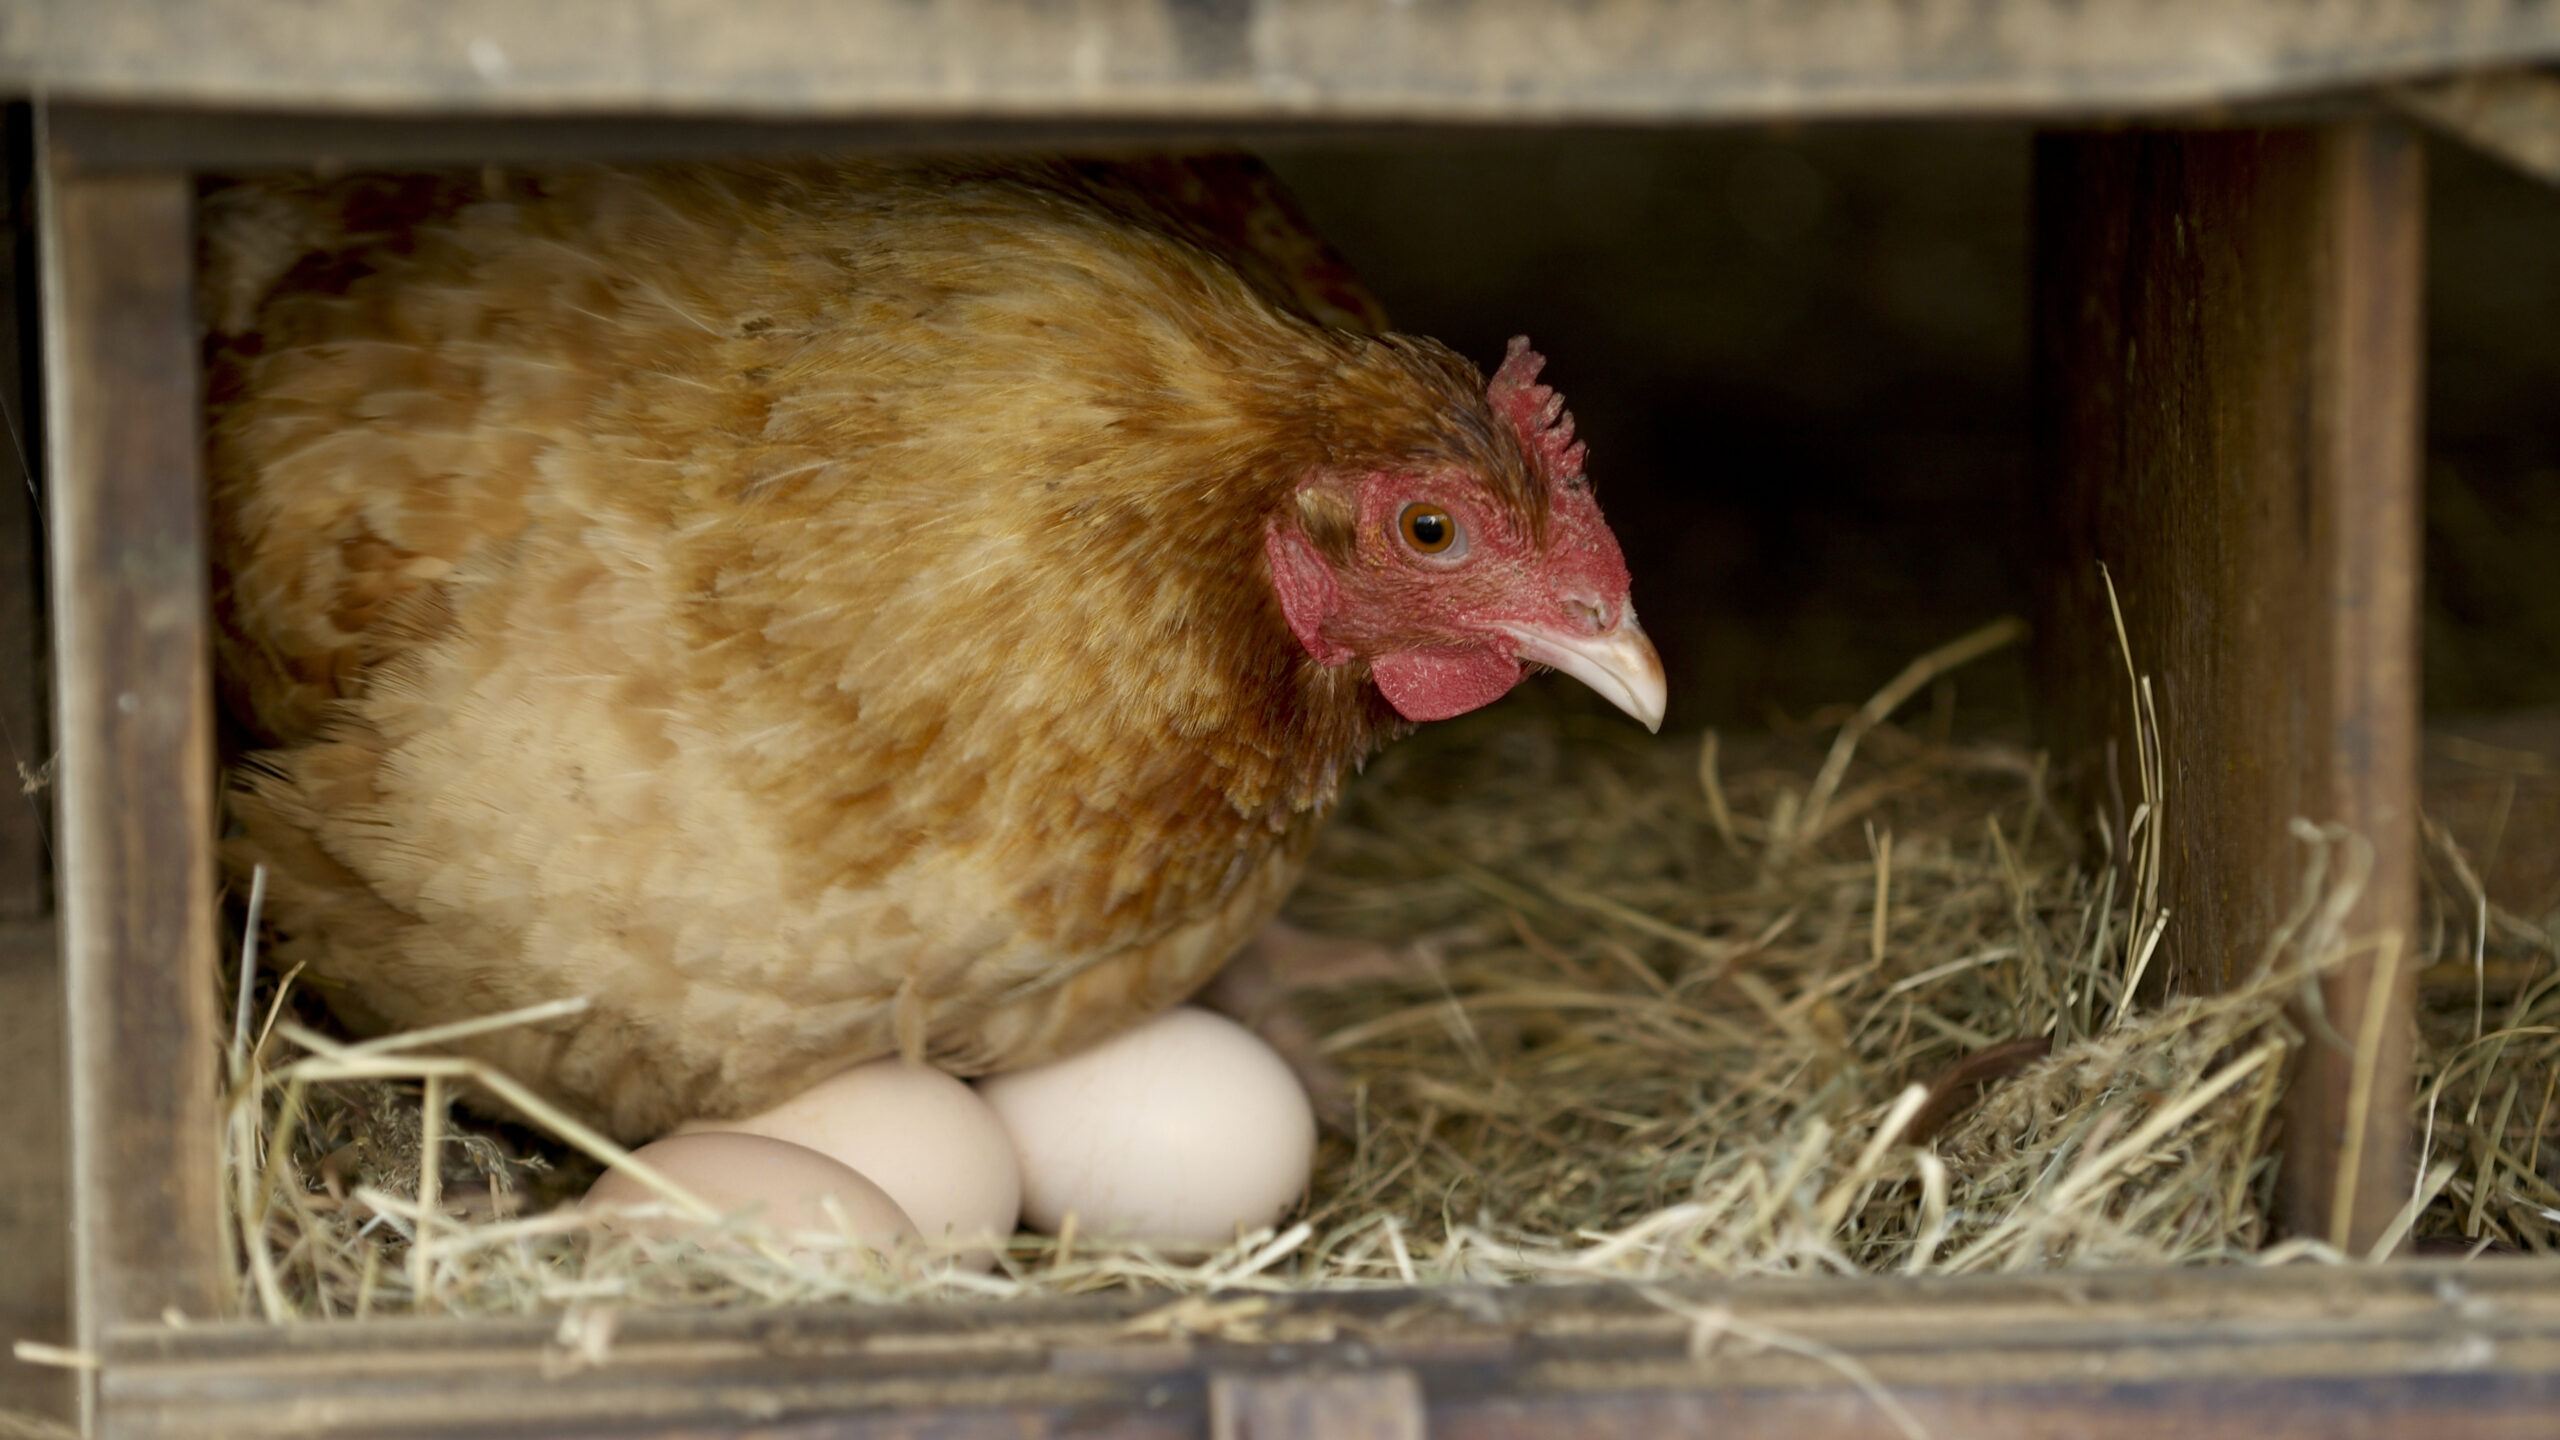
[778, 1184]
[919, 1134]
[1176, 1132]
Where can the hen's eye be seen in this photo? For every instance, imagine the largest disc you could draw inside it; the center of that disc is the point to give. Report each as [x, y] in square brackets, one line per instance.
[1428, 528]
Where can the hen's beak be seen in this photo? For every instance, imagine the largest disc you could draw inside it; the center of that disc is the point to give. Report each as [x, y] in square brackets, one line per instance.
[1618, 662]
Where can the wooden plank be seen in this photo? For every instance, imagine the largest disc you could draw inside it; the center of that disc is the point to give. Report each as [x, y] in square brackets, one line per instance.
[35, 1209]
[2227, 358]
[1453, 60]
[1316, 1405]
[135, 718]
[2511, 114]
[2450, 1350]
[35, 1212]
[161, 138]
[26, 746]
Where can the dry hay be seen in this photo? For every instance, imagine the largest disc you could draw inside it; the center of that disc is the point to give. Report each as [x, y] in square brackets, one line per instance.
[1659, 1008]
[2488, 1068]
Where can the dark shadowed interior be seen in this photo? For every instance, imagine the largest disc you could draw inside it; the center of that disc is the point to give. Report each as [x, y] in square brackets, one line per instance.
[1799, 357]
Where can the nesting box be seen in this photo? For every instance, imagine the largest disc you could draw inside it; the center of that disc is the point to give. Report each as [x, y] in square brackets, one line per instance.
[2226, 298]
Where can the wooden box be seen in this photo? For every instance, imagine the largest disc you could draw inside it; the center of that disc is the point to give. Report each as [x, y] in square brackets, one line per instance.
[2227, 300]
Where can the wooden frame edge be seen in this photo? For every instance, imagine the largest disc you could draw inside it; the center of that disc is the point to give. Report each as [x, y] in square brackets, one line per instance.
[133, 696]
[2461, 1350]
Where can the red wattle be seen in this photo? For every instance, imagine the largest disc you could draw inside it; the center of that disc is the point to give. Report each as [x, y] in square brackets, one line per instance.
[1436, 684]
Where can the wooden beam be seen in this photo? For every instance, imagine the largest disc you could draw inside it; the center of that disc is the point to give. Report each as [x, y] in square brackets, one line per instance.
[1450, 61]
[1321, 1404]
[2448, 1350]
[2513, 115]
[135, 718]
[2227, 358]
[35, 1210]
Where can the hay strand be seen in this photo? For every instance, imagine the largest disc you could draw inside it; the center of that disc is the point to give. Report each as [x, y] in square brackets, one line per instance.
[1680, 1018]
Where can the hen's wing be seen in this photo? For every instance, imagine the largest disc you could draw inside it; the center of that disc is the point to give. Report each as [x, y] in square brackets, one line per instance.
[634, 572]
[330, 546]
[327, 569]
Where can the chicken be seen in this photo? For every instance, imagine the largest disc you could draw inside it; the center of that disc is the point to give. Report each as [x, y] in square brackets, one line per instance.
[827, 611]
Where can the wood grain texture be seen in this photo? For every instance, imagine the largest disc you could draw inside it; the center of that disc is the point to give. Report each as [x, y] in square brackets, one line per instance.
[1453, 59]
[2227, 352]
[35, 1209]
[135, 716]
[2439, 1350]
[2511, 114]
[1316, 1405]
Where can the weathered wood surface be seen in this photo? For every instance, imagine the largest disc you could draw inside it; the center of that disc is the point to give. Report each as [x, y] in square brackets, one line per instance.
[135, 719]
[1380, 1403]
[2511, 114]
[35, 1199]
[1441, 59]
[2437, 1350]
[2227, 364]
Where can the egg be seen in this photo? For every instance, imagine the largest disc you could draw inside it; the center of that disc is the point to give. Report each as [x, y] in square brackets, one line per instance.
[922, 1136]
[1175, 1133]
[785, 1186]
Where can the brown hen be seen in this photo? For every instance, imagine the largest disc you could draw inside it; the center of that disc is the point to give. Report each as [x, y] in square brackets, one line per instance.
[824, 611]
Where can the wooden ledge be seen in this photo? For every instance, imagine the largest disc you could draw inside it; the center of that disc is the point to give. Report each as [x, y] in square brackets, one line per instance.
[2453, 1349]
[1457, 60]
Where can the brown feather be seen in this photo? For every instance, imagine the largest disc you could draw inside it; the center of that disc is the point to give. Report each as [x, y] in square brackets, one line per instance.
[793, 606]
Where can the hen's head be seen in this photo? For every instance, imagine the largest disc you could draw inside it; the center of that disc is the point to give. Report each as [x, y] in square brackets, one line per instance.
[1449, 562]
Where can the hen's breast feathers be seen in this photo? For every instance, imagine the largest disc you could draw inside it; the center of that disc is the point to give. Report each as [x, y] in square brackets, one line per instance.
[805, 610]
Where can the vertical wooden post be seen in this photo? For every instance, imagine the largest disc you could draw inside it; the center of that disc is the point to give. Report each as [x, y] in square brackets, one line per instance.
[2228, 352]
[134, 716]
[35, 1271]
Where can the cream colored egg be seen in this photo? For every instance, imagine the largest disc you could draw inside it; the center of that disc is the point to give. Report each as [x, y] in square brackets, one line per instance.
[922, 1136]
[1177, 1132]
[772, 1182]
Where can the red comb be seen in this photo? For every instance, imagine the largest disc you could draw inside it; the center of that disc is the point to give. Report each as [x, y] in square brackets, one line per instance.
[1536, 411]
